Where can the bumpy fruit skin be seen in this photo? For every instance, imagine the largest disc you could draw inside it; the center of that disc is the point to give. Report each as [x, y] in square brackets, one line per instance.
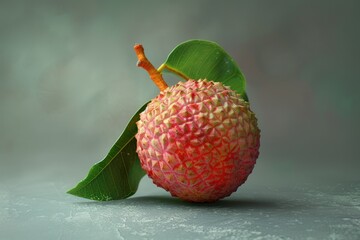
[198, 140]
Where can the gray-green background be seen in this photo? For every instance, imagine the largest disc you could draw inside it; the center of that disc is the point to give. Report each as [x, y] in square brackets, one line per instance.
[69, 84]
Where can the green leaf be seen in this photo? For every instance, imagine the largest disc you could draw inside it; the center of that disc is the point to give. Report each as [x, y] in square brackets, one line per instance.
[200, 59]
[119, 174]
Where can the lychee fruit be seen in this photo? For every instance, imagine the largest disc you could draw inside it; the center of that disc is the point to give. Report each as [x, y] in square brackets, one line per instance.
[198, 139]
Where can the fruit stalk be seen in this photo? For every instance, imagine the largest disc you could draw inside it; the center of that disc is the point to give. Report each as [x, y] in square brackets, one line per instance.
[154, 74]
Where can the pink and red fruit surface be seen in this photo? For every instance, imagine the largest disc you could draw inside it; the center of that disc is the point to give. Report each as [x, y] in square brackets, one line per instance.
[198, 140]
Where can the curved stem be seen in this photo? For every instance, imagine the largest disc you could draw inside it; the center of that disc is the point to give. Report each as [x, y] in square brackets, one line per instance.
[154, 74]
[164, 66]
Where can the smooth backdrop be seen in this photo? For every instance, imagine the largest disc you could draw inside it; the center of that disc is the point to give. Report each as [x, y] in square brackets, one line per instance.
[69, 81]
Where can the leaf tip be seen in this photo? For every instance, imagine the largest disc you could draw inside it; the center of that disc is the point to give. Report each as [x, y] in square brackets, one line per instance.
[73, 191]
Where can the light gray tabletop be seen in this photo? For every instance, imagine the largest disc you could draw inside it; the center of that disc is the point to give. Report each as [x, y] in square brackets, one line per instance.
[69, 84]
[42, 210]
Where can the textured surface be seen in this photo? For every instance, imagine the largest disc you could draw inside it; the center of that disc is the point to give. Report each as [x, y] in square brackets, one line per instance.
[69, 85]
[42, 211]
[199, 140]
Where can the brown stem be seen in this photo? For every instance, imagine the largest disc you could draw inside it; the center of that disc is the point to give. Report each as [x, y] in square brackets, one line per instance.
[154, 74]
